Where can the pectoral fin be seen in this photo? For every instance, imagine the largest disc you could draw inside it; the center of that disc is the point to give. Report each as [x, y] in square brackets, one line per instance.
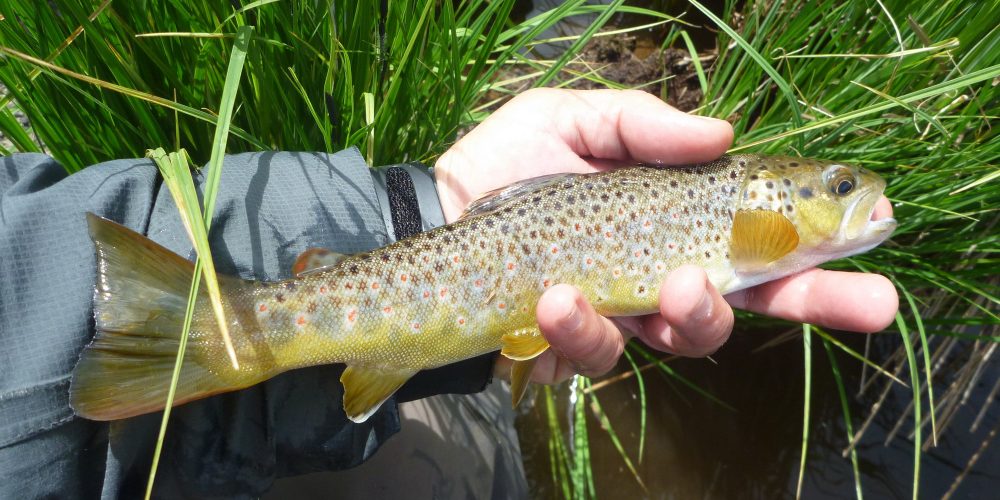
[523, 344]
[365, 389]
[760, 237]
[520, 376]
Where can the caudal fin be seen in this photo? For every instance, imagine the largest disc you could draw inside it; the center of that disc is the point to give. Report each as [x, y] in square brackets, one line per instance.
[139, 304]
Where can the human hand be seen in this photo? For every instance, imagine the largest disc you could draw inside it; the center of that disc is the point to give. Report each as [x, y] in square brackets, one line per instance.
[547, 131]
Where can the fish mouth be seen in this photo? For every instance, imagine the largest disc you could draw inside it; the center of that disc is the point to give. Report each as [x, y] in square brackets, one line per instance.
[859, 225]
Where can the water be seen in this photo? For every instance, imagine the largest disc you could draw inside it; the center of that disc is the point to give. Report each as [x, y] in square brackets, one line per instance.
[697, 448]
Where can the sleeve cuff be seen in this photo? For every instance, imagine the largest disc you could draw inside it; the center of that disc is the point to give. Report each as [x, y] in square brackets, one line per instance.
[407, 194]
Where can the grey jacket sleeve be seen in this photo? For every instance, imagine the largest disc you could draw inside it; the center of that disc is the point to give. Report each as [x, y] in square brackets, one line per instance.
[271, 207]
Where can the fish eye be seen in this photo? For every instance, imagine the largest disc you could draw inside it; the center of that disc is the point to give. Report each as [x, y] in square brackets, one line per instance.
[840, 180]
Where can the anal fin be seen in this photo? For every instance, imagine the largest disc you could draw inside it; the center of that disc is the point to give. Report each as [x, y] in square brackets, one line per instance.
[365, 389]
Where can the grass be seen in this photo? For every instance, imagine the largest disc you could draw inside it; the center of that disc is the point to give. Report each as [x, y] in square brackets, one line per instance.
[908, 89]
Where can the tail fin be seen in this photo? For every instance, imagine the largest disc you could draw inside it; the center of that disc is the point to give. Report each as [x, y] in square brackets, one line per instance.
[139, 303]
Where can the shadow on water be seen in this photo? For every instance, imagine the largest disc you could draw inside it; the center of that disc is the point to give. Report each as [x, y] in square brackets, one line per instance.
[696, 448]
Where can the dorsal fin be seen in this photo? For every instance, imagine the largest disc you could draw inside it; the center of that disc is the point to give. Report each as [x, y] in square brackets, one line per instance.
[493, 200]
[314, 260]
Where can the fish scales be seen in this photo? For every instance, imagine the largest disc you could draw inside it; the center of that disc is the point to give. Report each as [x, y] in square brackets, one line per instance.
[481, 277]
[471, 287]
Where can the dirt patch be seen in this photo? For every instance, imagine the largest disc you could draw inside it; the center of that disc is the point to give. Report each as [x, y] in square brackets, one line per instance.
[630, 62]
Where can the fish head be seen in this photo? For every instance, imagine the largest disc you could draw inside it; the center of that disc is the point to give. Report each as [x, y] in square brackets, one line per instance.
[829, 204]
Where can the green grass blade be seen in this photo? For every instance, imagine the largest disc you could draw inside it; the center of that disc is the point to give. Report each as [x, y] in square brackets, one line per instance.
[807, 359]
[904, 333]
[845, 407]
[642, 403]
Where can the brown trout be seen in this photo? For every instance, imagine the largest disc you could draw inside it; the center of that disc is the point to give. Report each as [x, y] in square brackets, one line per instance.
[470, 287]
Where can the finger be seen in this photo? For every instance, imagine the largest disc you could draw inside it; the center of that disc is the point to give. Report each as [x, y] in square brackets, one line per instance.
[694, 318]
[631, 125]
[883, 209]
[839, 300]
[590, 342]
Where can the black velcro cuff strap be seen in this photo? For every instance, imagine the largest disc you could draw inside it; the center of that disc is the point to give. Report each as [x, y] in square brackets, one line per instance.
[408, 197]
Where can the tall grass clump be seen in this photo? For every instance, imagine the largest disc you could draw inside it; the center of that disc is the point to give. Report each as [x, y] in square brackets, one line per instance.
[102, 80]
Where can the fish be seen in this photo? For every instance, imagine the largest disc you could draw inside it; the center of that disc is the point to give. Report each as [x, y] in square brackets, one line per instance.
[466, 288]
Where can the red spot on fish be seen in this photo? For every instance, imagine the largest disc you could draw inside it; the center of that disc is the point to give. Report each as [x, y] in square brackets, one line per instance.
[387, 310]
[415, 326]
[577, 227]
[322, 289]
[456, 259]
[502, 305]
[555, 249]
[479, 283]
[349, 286]
[352, 315]
[374, 286]
[443, 292]
[637, 253]
[403, 278]
[461, 321]
[427, 294]
[301, 320]
[262, 308]
[670, 246]
[546, 283]
[511, 266]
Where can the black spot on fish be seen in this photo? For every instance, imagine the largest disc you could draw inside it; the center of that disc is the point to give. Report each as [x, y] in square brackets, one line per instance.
[631, 198]
[787, 182]
[557, 206]
[806, 192]
[279, 297]
[526, 249]
[537, 199]
[438, 267]
[708, 255]
[447, 239]
[754, 177]
[596, 208]
[291, 286]
[673, 184]
[385, 257]
[474, 226]
[533, 234]
[548, 221]
[605, 197]
[588, 185]
[788, 208]
[431, 235]
[711, 179]
[645, 184]
[793, 164]
[582, 213]
[618, 194]
[769, 184]
[505, 228]
[353, 269]
[732, 175]
[551, 193]
[571, 199]
[490, 222]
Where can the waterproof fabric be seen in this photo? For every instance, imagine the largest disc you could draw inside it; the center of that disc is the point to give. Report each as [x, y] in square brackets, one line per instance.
[271, 206]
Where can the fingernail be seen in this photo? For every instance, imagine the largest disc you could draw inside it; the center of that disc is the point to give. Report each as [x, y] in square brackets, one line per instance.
[703, 311]
[573, 319]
